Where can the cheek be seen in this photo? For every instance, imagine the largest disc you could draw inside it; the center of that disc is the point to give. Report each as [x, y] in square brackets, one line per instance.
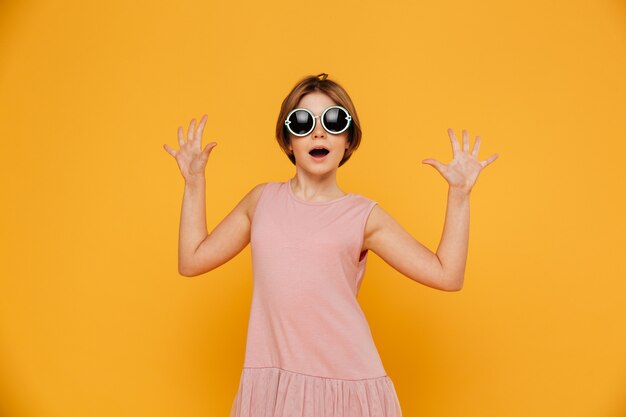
[342, 143]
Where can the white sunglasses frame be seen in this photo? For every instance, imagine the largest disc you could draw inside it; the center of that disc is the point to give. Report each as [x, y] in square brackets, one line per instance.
[321, 117]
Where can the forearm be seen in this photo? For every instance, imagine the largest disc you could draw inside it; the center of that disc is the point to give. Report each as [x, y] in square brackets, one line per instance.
[452, 250]
[193, 228]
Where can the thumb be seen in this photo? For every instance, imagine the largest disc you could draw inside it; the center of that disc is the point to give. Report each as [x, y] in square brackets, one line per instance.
[433, 162]
[207, 149]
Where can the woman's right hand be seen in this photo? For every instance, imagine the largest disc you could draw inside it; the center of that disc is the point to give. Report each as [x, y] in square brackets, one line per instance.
[190, 158]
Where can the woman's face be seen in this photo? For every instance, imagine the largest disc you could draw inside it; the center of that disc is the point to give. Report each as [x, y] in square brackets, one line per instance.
[317, 102]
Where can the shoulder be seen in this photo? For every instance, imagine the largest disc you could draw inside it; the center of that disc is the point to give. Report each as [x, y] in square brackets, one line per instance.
[252, 198]
[373, 213]
[377, 220]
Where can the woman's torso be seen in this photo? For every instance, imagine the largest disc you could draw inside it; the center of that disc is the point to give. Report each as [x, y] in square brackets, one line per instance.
[308, 268]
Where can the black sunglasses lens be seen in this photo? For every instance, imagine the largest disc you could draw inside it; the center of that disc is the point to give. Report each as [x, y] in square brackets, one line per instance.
[300, 122]
[335, 120]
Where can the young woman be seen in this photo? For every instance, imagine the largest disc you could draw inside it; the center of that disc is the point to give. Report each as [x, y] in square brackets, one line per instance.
[309, 349]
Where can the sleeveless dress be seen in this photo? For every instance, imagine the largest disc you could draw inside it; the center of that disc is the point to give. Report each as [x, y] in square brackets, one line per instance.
[309, 349]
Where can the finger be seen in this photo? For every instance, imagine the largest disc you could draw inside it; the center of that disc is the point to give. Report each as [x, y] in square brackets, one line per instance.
[201, 128]
[455, 143]
[181, 137]
[170, 150]
[476, 146]
[489, 160]
[190, 131]
[440, 167]
[208, 149]
[465, 141]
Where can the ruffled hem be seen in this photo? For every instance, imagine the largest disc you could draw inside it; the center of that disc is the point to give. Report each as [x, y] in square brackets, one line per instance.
[276, 392]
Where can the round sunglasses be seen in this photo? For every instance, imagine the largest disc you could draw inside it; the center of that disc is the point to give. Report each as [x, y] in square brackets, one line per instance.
[301, 121]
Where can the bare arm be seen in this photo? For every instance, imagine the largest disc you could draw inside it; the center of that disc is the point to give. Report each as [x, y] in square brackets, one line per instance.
[193, 228]
[200, 252]
[445, 269]
[192, 161]
[398, 248]
[452, 250]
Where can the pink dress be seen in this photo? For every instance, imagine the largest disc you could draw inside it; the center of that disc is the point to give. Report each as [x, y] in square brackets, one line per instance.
[309, 349]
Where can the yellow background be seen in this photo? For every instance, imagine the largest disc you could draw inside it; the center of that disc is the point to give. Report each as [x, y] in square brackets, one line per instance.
[96, 321]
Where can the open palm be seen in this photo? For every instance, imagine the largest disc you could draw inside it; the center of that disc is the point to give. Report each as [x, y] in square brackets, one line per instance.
[465, 167]
[191, 159]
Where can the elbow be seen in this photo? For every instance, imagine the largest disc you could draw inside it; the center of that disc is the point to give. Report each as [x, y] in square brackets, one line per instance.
[186, 272]
[186, 266]
[454, 285]
[447, 282]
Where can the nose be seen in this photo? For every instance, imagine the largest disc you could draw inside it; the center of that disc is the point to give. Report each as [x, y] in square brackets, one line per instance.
[318, 132]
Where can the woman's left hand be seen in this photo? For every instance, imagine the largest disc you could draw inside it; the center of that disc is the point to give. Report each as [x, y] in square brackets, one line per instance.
[463, 171]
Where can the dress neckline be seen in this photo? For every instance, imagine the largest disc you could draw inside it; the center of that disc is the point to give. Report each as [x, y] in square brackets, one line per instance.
[313, 203]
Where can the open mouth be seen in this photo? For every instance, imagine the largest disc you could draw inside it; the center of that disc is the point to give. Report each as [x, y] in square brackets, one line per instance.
[318, 152]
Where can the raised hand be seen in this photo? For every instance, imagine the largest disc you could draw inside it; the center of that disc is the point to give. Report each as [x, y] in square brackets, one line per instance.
[465, 167]
[191, 159]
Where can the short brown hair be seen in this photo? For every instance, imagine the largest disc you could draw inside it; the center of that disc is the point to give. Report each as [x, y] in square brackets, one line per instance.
[333, 90]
